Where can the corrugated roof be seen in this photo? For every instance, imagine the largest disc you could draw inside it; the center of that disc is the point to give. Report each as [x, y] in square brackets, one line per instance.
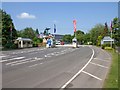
[107, 38]
[23, 39]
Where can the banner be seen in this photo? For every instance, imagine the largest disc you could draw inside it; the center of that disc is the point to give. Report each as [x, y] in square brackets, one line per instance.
[74, 22]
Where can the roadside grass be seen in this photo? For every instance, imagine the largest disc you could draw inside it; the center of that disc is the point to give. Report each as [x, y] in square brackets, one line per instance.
[111, 80]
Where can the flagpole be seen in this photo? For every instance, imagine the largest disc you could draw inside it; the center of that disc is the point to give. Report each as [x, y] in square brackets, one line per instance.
[54, 30]
[11, 32]
[111, 34]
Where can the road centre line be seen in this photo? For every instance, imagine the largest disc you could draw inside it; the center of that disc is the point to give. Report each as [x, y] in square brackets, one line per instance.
[98, 65]
[12, 59]
[79, 71]
[92, 75]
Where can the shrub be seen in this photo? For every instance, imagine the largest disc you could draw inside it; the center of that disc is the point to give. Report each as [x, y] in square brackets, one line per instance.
[107, 45]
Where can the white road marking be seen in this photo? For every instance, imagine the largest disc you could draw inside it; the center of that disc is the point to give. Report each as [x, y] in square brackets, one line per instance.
[47, 56]
[26, 62]
[18, 61]
[92, 75]
[101, 60]
[98, 65]
[2, 56]
[33, 65]
[79, 71]
[12, 59]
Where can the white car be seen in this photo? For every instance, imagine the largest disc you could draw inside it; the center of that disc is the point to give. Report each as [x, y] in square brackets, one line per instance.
[57, 42]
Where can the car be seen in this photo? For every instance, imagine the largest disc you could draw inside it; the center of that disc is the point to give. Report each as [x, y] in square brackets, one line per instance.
[62, 43]
[58, 42]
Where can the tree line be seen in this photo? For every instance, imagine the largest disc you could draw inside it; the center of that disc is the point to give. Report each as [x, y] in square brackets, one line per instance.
[97, 33]
[9, 34]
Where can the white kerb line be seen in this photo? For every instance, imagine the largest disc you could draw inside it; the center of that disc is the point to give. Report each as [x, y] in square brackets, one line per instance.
[79, 71]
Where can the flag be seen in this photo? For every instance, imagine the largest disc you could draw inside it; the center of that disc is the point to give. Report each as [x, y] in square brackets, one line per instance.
[111, 27]
[54, 28]
[74, 22]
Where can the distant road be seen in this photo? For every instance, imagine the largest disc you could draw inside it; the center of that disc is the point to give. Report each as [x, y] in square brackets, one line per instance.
[55, 67]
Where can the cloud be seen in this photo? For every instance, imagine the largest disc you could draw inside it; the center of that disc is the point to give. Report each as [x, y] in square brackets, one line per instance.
[55, 21]
[25, 15]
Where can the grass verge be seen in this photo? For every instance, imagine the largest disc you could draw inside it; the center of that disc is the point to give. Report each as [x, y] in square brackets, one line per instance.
[111, 80]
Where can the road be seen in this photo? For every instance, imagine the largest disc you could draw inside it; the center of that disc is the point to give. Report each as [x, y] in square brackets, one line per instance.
[62, 67]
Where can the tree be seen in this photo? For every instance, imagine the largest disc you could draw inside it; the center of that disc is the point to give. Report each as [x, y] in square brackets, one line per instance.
[116, 30]
[27, 33]
[9, 33]
[99, 40]
[96, 31]
[67, 38]
[86, 38]
[80, 36]
[37, 41]
[105, 33]
[37, 33]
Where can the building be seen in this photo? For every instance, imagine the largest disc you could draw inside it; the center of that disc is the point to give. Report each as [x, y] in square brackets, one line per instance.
[107, 40]
[58, 37]
[24, 42]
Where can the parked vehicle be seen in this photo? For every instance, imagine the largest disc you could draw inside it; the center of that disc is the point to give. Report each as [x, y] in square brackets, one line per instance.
[58, 42]
[62, 43]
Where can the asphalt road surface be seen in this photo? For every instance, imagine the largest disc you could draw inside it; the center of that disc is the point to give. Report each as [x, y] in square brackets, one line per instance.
[62, 67]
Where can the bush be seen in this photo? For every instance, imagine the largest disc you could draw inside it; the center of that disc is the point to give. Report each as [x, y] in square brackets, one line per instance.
[107, 45]
[103, 46]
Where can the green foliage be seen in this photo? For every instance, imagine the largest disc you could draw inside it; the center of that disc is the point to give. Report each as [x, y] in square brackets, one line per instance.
[27, 33]
[9, 33]
[95, 32]
[116, 31]
[67, 38]
[37, 41]
[86, 38]
[107, 45]
[37, 32]
[99, 40]
[80, 36]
